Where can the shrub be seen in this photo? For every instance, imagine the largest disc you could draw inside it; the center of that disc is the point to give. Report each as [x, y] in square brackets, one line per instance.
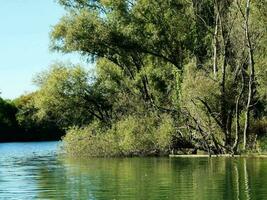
[132, 136]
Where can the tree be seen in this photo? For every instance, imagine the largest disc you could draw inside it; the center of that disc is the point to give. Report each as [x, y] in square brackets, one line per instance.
[196, 61]
[8, 122]
[69, 96]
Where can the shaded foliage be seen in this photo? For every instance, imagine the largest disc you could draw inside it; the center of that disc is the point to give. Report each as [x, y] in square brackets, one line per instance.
[19, 123]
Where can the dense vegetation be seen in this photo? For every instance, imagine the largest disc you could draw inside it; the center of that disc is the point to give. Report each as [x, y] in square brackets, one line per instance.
[168, 75]
[18, 122]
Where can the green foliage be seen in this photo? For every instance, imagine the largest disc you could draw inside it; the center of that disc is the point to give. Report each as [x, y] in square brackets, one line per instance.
[70, 96]
[187, 59]
[132, 136]
[201, 95]
[26, 111]
[32, 127]
[8, 112]
[18, 121]
[262, 146]
[118, 30]
[144, 136]
[168, 74]
[90, 142]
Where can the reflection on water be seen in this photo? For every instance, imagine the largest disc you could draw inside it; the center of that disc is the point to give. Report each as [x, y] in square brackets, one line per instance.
[33, 171]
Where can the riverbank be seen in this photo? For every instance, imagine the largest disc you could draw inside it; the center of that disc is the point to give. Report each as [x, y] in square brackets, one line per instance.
[220, 155]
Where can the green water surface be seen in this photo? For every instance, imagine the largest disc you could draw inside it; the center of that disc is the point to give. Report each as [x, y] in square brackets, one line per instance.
[35, 171]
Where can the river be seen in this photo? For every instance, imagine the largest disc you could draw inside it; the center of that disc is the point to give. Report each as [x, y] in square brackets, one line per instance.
[35, 171]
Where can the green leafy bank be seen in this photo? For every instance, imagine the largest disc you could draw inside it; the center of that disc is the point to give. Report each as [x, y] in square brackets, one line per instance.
[167, 76]
[132, 136]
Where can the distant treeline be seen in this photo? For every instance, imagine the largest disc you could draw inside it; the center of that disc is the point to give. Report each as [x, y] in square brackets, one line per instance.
[17, 122]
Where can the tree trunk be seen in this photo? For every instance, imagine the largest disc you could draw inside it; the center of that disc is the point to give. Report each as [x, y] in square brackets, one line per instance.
[215, 42]
[237, 113]
[251, 84]
[222, 9]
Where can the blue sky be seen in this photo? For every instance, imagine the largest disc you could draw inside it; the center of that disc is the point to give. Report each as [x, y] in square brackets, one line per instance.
[24, 43]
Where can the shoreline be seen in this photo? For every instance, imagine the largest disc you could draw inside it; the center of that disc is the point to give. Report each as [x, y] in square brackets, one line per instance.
[219, 156]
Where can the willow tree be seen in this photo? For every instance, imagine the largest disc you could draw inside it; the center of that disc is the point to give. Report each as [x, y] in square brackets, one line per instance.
[191, 59]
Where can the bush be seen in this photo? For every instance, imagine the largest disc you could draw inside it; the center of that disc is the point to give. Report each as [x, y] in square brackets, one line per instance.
[132, 136]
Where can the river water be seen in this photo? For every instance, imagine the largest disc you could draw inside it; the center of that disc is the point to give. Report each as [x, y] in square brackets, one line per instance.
[35, 171]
